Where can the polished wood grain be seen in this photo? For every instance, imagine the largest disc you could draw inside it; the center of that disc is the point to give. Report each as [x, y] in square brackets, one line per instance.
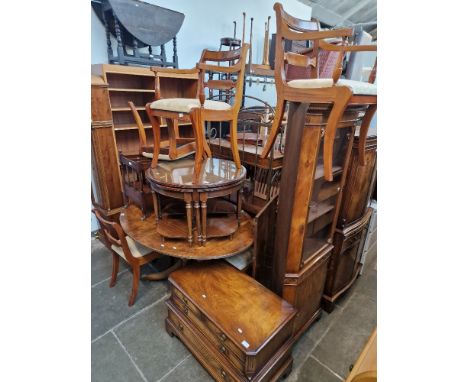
[145, 232]
[107, 190]
[245, 322]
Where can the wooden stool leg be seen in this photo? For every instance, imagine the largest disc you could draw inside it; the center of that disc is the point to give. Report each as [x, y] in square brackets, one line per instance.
[275, 128]
[188, 208]
[135, 283]
[239, 205]
[171, 130]
[115, 268]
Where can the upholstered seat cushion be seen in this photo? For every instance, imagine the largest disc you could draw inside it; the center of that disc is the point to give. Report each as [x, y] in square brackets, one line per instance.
[137, 249]
[183, 105]
[165, 156]
[357, 87]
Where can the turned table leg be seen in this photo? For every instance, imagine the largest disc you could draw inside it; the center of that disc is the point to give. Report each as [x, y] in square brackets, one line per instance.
[203, 199]
[196, 205]
[155, 205]
[239, 205]
[188, 208]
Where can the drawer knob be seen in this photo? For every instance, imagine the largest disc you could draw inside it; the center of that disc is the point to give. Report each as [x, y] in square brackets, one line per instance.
[186, 310]
[222, 336]
[223, 374]
[184, 300]
[181, 328]
[223, 349]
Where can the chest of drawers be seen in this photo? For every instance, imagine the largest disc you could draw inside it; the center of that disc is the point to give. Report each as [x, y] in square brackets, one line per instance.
[236, 328]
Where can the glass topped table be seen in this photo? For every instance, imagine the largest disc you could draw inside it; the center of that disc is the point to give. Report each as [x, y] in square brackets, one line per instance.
[217, 178]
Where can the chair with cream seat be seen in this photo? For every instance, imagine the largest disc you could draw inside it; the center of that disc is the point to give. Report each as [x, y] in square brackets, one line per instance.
[339, 92]
[123, 246]
[198, 110]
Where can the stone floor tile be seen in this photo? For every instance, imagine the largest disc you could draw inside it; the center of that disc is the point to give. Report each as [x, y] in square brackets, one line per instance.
[148, 343]
[190, 371]
[110, 363]
[348, 334]
[313, 371]
[109, 306]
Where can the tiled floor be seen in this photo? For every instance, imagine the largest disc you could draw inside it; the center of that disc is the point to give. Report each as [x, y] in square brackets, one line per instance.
[131, 344]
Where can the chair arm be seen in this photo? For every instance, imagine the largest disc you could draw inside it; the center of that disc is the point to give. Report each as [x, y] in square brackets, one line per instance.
[347, 48]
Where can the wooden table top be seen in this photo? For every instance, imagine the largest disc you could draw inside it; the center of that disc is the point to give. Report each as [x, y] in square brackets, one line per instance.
[247, 312]
[144, 231]
[215, 173]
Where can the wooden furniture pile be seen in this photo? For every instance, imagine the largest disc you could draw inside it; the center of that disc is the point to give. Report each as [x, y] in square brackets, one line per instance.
[305, 240]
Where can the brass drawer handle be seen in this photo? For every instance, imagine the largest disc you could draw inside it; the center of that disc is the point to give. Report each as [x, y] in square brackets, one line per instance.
[181, 328]
[223, 374]
[223, 349]
[222, 337]
[184, 300]
[186, 310]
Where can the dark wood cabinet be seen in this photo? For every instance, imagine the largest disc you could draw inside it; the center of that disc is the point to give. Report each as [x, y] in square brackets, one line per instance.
[354, 216]
[308, 207]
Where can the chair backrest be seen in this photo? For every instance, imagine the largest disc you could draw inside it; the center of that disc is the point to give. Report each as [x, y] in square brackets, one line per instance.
[235, 60]
[294, 29]
[113, 234]
[140, 126]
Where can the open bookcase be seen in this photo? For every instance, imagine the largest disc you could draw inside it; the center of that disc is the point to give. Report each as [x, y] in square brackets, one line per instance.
[136, 84]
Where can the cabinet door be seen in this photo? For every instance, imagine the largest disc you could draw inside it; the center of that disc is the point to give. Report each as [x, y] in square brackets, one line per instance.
[348, 261]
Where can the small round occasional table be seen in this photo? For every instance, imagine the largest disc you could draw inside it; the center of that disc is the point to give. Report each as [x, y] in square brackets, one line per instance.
[177, 180]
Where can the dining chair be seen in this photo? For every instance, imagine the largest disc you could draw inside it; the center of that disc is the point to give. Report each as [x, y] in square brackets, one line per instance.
[338, 92]
[198, 110]
[123, 246]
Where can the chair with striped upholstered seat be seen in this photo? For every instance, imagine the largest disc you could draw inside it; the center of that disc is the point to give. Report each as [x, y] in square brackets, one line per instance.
[340, 93]
[198, 110]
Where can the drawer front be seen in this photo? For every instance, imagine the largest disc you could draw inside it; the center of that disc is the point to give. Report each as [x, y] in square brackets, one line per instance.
[219, 340]
[204, 355]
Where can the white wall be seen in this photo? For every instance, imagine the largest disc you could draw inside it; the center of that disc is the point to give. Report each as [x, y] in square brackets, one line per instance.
[205, 23]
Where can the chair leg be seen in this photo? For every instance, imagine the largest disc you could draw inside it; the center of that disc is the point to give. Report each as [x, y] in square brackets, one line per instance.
[197, 125]
[115, 268]
[275, 128]
[135, 283]
[234, 148]
[156, 124]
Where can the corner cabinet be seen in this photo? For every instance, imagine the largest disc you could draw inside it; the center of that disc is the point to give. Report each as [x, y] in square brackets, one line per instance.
[345, 263]
[308, 207]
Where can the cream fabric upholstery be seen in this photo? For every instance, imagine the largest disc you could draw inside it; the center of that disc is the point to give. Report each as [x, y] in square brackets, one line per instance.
[357, 87]
[166, 157]
[312, 83]
[183, 105]
[137, 249]
[242, 260]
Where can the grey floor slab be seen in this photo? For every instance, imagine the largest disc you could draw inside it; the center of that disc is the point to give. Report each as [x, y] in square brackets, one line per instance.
[110, 363]
[348, 334]
[109, 306]
[313, 371]
[189, 370]
[146, 340]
